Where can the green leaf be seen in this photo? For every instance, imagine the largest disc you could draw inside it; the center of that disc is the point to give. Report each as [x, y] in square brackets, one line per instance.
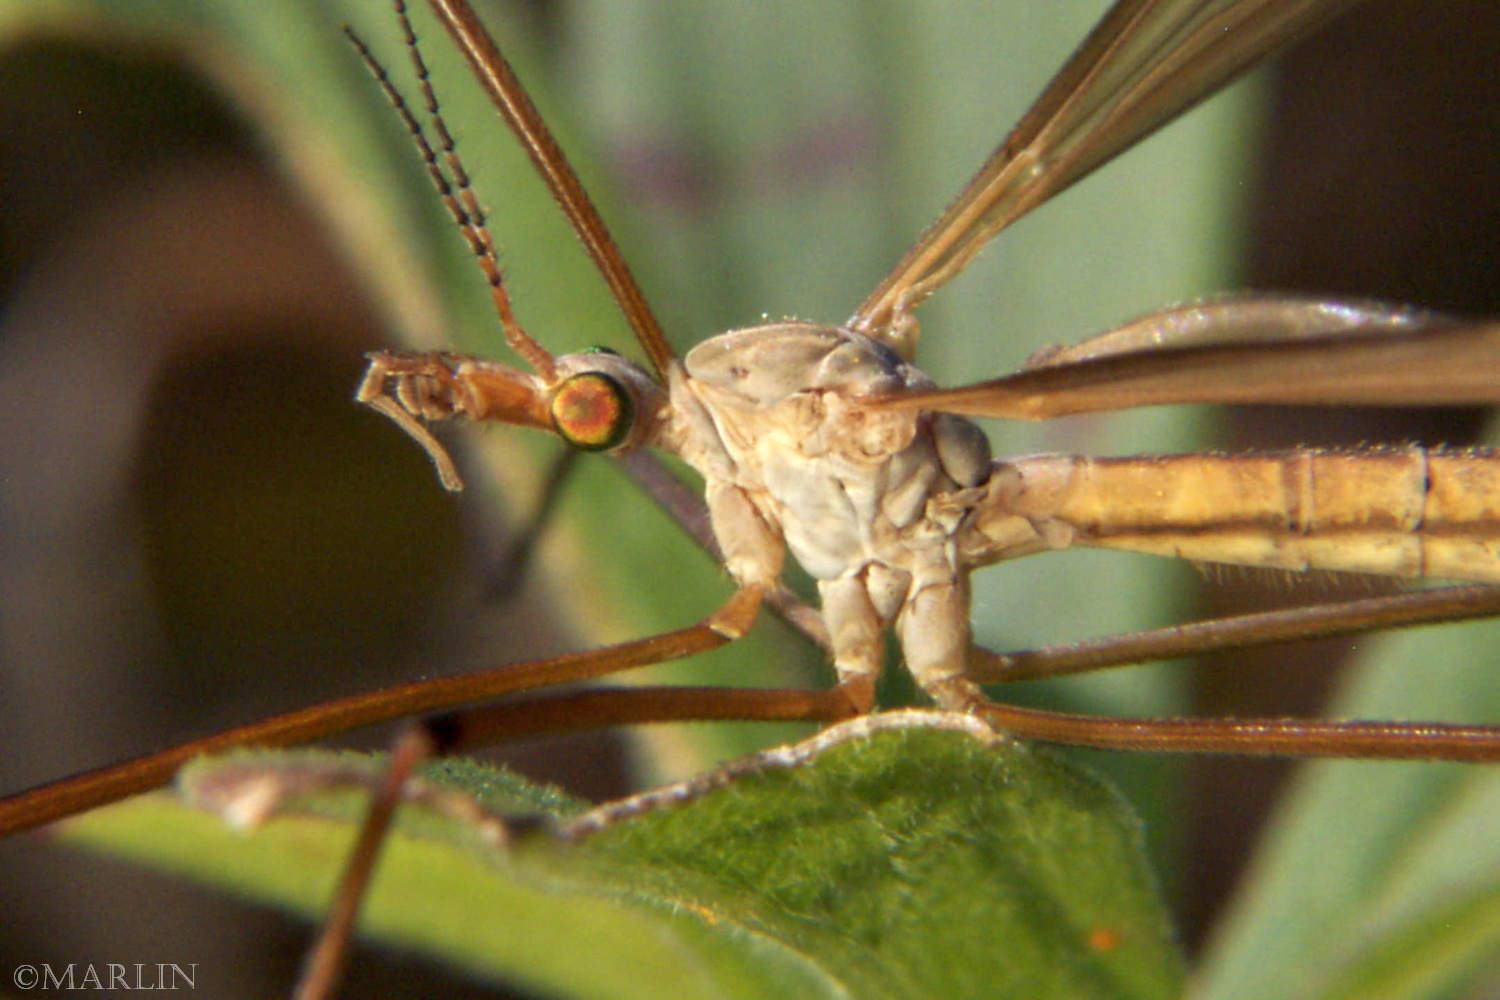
[1377, 879]
[912, 863]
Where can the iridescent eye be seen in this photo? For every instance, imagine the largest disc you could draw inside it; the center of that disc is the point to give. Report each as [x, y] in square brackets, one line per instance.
[592, 411]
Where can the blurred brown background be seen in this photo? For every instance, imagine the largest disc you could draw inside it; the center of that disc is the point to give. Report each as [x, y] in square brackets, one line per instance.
[200, 527]
[184, 481]
[1380, 178]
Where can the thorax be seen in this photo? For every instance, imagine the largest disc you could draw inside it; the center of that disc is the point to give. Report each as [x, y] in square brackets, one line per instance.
[781, 412]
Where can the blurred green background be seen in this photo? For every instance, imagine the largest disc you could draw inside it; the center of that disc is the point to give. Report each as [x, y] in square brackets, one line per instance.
[207, 213]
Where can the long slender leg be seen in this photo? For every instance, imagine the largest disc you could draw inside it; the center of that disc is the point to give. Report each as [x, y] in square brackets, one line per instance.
[1443, 604]
[1252, 737]
[325, 962]
[468, 728]
[602, 707]
[45, 803]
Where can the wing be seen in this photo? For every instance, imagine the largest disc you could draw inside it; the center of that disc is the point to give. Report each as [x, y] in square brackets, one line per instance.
[1145, 63]
[1248, 349]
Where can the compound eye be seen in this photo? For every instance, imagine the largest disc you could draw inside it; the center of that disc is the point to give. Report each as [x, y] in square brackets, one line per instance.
[592, 411]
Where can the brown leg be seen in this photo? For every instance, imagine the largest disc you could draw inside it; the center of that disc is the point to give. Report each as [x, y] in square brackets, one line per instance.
[55, 800]
[467, 728]
[1423, 607]
[1250, 737]
[324, 965]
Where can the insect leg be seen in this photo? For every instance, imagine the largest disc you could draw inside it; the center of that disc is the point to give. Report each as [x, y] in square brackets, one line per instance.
[55, 800]
[468, 728]
[324, 965]
[934, 630]
[415, 744]
[1252, 736]
[1423, 607]
[856, 635]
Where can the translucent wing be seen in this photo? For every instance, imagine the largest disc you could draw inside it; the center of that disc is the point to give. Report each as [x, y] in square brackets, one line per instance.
[1146, 62]
[1248, 349]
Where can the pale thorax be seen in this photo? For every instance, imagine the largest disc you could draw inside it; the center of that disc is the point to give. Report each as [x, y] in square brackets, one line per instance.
[775, 415]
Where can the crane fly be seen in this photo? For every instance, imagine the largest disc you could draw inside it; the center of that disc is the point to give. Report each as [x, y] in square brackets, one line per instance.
[827, 441]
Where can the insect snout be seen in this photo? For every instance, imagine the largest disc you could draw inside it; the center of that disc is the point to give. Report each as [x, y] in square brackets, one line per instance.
[424, 385]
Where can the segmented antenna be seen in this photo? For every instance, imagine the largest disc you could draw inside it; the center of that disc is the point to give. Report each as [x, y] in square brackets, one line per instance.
[457, 193]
